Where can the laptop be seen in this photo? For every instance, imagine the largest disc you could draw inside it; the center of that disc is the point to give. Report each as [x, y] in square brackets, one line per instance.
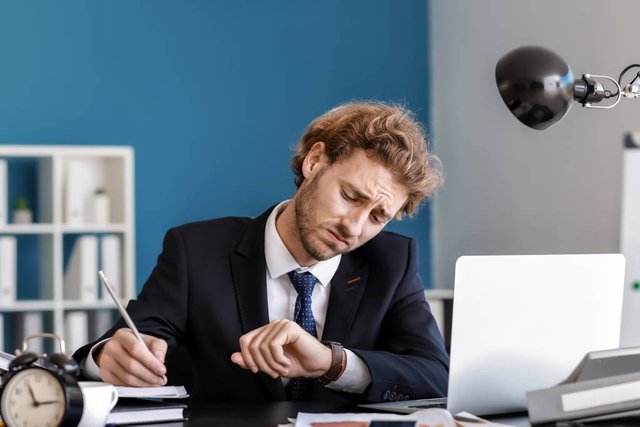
[524, 322]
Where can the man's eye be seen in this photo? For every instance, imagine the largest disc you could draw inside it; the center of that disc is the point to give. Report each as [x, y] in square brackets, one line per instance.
[376, 219]
[349, 198]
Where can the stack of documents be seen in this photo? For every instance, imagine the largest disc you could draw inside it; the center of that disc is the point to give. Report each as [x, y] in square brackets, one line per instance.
[162, 392]
[426, 417]
[133, 411]
[137, 405]
[5, 360]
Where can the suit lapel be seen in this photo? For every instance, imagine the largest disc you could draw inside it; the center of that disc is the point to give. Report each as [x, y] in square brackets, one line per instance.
[347, 288]
[248, 267]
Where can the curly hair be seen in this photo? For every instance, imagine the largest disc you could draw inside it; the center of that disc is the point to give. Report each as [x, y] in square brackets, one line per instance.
[388, 132]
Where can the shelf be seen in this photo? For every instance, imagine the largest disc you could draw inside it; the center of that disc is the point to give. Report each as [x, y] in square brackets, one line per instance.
[28, 305]
[27, 229]
[82, 198]
[87, 306]
[90, 228]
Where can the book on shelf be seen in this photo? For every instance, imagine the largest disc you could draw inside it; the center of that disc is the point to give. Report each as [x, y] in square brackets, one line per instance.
[29, 323]
[2, 332]
[100, 321]
[110, 263]
[77, 174]
[81, 275]
[76, 329]
[8, 269]
[4, 193]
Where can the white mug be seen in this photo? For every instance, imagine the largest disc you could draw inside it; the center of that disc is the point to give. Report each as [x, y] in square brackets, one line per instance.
[99, 399]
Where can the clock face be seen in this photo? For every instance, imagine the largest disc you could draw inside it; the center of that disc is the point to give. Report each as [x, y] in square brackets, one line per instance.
[33, 397]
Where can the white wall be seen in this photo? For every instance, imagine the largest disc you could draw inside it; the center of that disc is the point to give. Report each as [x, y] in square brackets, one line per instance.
[510, 189]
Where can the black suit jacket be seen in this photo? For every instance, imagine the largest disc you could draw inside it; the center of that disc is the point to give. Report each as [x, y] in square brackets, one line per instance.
[208, 288]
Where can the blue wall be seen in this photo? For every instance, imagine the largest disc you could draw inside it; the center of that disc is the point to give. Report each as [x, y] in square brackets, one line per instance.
[211, 94]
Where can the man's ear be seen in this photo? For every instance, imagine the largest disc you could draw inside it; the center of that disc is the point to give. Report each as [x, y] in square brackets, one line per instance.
[315, 159]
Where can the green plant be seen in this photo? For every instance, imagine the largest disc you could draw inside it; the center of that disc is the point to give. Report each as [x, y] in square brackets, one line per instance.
[100, 190]
[21, 203]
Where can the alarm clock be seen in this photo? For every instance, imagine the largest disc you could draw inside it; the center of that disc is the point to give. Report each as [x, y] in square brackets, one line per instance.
[41, 390]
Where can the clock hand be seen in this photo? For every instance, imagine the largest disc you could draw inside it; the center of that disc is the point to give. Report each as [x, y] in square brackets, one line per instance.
[33, 396]
[47, 402]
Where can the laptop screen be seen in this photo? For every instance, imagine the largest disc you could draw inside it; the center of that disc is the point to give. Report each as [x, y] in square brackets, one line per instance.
[524, 322]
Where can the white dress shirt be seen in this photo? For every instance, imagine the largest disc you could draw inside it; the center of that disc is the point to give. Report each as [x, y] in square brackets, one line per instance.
[281, 299]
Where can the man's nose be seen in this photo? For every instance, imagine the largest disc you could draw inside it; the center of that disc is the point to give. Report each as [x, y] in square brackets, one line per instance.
[354, 222]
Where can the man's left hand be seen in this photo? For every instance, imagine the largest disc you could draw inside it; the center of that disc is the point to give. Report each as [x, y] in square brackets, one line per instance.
[283, 349]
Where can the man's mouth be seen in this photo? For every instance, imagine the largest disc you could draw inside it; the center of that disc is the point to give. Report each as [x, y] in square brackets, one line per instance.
[338, 237]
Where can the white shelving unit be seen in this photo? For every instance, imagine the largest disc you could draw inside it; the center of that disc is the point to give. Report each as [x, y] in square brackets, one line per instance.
[59, 183]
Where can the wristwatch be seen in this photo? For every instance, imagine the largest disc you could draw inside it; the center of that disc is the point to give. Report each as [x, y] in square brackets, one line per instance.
[336, 368]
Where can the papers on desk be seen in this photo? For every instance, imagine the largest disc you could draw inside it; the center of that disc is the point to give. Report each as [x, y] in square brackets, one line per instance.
[163, 392]
[5, 360]
[425, 418]
[139, 412]
[138, 405]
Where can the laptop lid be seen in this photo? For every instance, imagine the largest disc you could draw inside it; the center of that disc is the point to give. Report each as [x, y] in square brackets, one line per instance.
[524, 322]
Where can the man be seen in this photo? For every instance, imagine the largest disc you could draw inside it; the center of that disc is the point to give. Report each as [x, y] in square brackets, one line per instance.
[261, 304]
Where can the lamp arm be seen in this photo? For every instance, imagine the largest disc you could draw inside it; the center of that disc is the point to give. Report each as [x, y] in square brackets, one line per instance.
[587, 90]
[632, 90]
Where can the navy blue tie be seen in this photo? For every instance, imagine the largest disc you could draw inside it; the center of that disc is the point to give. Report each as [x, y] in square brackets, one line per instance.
[303, 316]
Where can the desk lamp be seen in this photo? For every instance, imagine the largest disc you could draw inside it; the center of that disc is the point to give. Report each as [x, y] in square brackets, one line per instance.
[538, 86]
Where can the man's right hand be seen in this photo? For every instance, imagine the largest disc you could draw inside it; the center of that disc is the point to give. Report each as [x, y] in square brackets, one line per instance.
[123, 360]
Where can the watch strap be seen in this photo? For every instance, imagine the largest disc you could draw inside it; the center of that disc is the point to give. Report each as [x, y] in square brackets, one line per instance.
[336, 368]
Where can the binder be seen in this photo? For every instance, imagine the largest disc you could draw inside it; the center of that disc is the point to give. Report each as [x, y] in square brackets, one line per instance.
[77, 174]
[29, 323]
[111, 263]
[99, 323]
[2, 343]
[81, 276]
[604, 385]
[8, 269]
[4, 193]
[585, 399]
[76, 329]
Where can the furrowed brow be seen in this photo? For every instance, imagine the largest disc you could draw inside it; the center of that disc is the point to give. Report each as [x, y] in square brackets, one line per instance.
[366, 198]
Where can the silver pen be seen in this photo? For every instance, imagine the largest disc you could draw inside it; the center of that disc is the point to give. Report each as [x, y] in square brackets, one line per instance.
[121, 308]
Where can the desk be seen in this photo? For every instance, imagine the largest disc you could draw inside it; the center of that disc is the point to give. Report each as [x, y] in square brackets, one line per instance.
[272, 414]
[256, 415]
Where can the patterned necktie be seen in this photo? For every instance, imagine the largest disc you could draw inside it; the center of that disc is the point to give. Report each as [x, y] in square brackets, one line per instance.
[303, 316]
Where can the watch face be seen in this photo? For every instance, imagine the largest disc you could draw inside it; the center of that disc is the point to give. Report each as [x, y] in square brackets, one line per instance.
[33, 397]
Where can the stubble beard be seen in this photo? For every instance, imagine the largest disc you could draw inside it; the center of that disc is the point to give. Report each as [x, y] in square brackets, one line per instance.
[305, 206]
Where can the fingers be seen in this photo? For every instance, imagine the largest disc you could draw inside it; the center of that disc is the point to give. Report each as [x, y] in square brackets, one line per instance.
[256, 351]
[126, 361]
[263, 349]
[156, 346]
[250, 351]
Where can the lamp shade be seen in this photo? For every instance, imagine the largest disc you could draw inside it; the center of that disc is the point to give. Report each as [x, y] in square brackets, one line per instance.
[536, 85]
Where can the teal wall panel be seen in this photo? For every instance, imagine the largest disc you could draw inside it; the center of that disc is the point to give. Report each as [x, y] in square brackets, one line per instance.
[211, 94]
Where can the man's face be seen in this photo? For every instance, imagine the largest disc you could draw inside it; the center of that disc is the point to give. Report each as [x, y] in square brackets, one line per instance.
[341, 206]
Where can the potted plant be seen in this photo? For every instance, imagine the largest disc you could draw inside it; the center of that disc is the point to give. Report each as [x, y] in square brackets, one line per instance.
[21, 212]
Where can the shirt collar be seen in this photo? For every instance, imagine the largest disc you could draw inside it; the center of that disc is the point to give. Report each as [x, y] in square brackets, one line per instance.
[280, 261]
